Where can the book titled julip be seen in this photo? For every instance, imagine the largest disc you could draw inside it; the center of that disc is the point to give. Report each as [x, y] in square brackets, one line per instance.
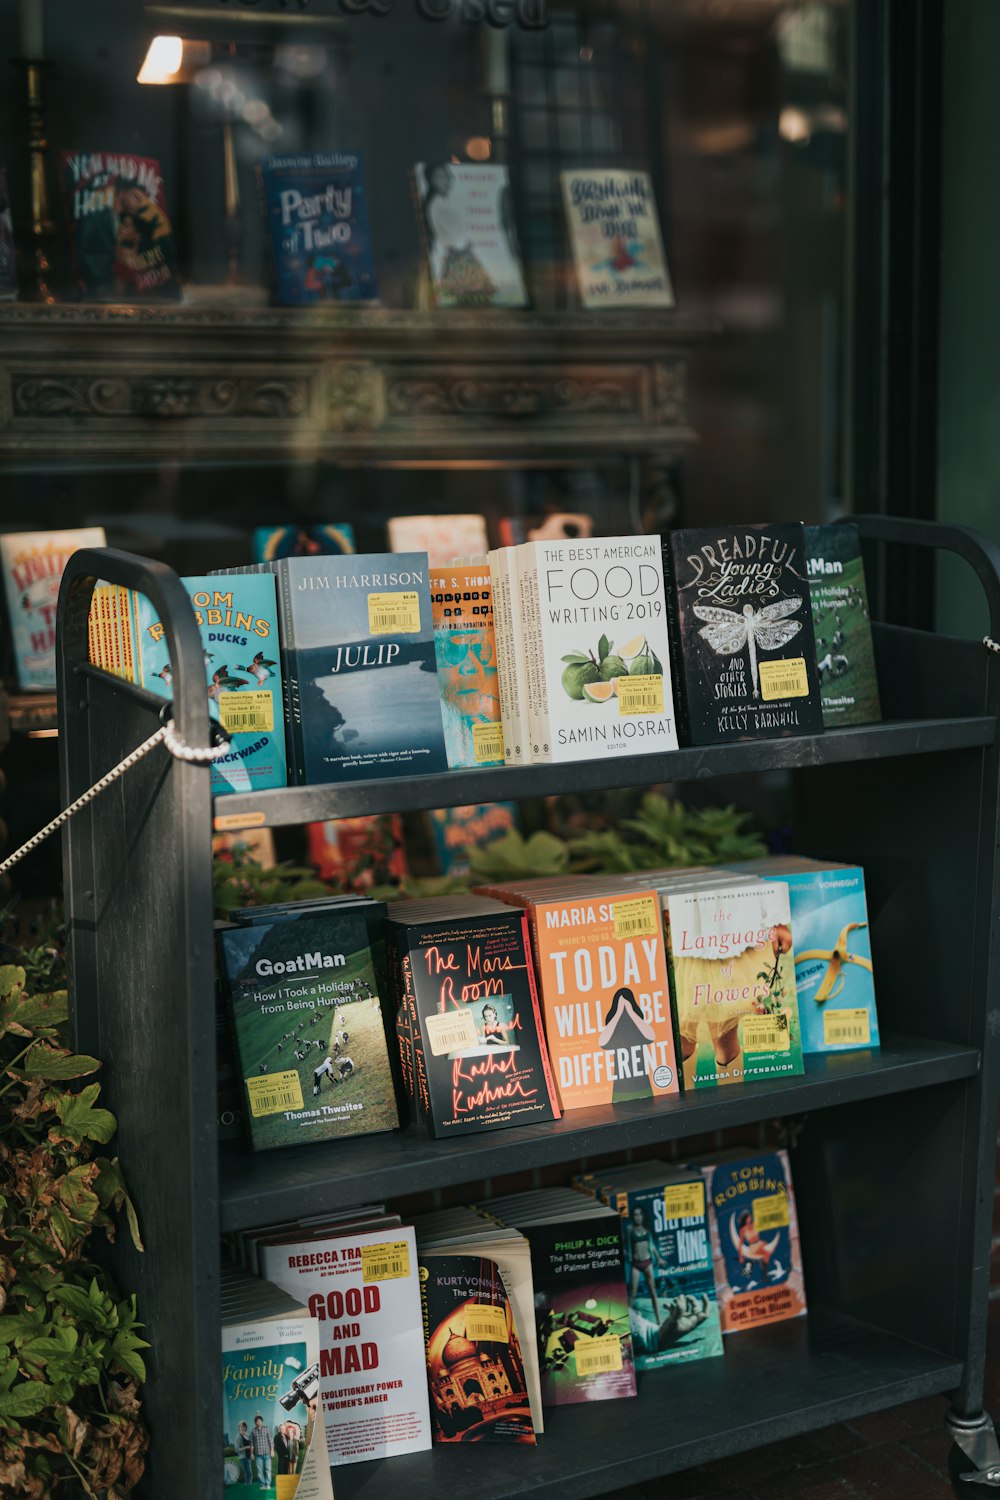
[316, 207]
[33, 563]
[845, 655]
[469, 235]
[465, 646]
[743, 637]
[358, 656]
[120, 230]
[307, 1019]
[616, 240]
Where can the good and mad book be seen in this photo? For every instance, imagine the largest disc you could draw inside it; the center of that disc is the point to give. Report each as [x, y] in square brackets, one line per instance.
[316, 208]
[616, 241]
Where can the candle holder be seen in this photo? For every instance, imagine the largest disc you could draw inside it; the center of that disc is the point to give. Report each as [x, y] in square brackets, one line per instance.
[42, 228]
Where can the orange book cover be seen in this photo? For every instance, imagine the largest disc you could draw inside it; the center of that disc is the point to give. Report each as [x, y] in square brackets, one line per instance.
[602, 973]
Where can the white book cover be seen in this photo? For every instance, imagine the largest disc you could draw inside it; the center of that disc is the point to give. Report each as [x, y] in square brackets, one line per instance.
[467, 222]
[443, 537]
[33, 563]
[604, 687]
[363, 1289]
[272, 1419]
[513, 714]
[616, 241]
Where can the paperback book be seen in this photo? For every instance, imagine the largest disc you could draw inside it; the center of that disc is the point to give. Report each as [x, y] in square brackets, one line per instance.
[359, 661]
[273, 542]
[316, 210]
[744, 646]
[845, 655]
[466, 217]
[615, 234]
[310, 1037]
[120, 232]
[466, 652]
[33, 564]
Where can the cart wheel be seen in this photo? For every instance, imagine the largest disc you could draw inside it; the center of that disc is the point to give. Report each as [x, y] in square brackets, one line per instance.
[980, 1488]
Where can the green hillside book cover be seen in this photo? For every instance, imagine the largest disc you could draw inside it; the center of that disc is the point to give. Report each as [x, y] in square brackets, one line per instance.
[845, 656]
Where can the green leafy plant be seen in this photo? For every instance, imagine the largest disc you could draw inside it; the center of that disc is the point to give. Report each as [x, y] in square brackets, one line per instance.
[70, 1361]
[513, 857]
[240, 880]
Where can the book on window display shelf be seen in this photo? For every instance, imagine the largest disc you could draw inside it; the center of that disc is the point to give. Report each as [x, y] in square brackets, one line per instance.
[33, 564]
[273, 542]
[315, 206]
[121, 235]
[444, 538]
[466, 218]
[615, 235]
[845, 654]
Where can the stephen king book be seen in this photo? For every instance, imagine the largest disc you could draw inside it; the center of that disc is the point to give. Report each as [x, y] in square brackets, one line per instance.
[466, 218]
[605, 998]
[755, 1238]
[358, 654]
[310, 1037]
[742, 633]
[732, 969]
[615, 234]
[272, 542]
[845, 655]
[33, 563]
[316, 208]
[465, 647]
[120, 231]
[475, 1366]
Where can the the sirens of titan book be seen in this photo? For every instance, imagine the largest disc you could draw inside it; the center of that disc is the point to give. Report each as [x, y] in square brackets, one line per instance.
[755, 1239]
[605, 997]
[309, 1032]
[33, 563]
[475, 1367]
[316, 208]
[465, 646]
[733, 973]
[120, 230]
[743, 639]
[845, 654]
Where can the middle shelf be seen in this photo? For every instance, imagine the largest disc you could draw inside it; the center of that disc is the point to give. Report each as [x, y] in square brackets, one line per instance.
[289, 1184]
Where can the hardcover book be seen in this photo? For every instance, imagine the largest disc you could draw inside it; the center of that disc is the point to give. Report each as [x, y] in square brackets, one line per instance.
[605, 997]
[310, 1037]
[743, 634]
[363, 1288]
[316, 209]
[443, 538]
[596, 648]
[8, 250]
[732, 972]
[238, 621]
[466, 216]
[33, 563]
[465, 648]
[120, 231]
[845, 655]
[615, 234]
[475, 1367]
[755, 1239]
[358, 655]
[272, 542]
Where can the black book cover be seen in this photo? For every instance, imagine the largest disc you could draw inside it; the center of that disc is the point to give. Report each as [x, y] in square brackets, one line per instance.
[745, 652]
[477, 1031]
[845, 655]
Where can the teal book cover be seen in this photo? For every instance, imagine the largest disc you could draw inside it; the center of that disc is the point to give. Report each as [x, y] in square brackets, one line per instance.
[845, 656]
[273, 1438]
[238, 620]
[465, 647]
[833, 959]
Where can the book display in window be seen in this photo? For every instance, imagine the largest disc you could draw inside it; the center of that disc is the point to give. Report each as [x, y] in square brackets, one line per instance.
[615, 234]
[121, 236]
[466, 217]
[316, 208]
[33, 563]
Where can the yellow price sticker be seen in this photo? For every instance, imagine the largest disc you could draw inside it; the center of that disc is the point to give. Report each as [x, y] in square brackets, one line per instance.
[765, 1033]
[247, 713]
[394, 614]
[770, 1213]
[487, 743]
[598, 1356]
[387, 1261]
[483, 1322]
[636, 916]
[640, 695]
[274, 1093]
[845, 1027]
[783, 679]
[684, 1200]
[451, 1032]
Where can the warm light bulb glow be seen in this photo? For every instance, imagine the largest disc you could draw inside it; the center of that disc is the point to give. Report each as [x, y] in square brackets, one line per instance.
[478, 148]
[163, 60]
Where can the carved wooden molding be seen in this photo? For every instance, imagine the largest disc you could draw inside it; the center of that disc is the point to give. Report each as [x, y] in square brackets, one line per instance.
[525, 393]
[354, 396]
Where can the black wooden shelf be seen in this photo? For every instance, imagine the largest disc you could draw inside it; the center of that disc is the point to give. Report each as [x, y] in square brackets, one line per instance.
[770, 1384]
[289, 1183]
[310, 804]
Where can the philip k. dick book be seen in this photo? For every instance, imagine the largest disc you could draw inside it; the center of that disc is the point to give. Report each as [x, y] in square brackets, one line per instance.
[310, 1038]
[316, 208]
[845, 654]
[238, 621]
[465, 646]
[33, 563]
[119, 226]
[475, 1365]
[358, 656]
[743, 637]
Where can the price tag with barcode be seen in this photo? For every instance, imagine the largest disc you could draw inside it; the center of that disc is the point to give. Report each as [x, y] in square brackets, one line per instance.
[841, 1027]
[640, 695]
[783, 679]
[765, 1033]
[487, 743]
[598, 1356]
[636, 916]
[684, 1200]
[485, 1322]
[387, 1261]
[247, 713]
[451, 1032]
[770, 1212]
[274, 1093]
[394, 614]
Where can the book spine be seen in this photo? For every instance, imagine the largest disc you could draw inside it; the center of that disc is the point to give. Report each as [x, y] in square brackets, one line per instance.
[421, 1092]
[678, 676]
[271, 254]
[513, 746]
[290, 680]
[518, 673]
[534, 654]
[536, 1011]
[426, 290]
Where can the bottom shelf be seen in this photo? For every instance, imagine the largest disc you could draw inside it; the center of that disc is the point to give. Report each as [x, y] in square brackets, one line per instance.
[769, 1385]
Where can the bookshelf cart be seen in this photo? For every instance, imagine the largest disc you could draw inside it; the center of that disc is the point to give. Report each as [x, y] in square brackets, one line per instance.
[894, 1153]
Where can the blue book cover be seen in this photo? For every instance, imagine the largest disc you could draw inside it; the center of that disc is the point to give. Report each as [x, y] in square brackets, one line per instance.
[316, 207]
[238, 620]
[272, 542]
[755, 1238]
[358, 652]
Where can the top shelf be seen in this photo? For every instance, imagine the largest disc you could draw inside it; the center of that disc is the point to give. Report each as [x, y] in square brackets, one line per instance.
[309, 804]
